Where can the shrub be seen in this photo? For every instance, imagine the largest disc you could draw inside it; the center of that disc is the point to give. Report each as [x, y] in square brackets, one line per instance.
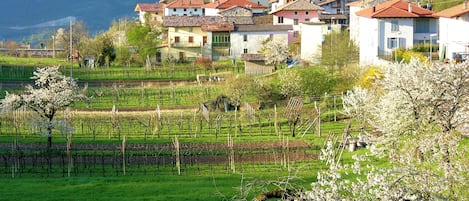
[369, 77]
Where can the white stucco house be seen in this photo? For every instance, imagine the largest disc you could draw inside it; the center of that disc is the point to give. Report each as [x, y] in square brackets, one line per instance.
[247, 39]
[214, 8]
[394, 24]
[312, 45]
[149, 11]
[185, 8]
[454, 32]
[354, 7]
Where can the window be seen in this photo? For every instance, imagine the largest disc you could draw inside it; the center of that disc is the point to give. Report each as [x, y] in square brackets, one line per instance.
[422, 26]
[296, 12]
[176, 39]
[176, 30]
[280, 20]
[245, 37]
[190, 29]
[394, 42]
[195, 9]
[245, 51]
[191, 39]
[394, 26]
[185, 10]
[295, 21]
[271, 36]
[306, 19]
[174, 10]
[306, 13]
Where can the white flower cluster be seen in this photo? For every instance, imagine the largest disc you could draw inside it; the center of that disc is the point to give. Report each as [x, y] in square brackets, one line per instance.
[417, 112]
[52, 91]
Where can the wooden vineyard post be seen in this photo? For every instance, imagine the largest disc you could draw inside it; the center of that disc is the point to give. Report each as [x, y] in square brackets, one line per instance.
[69, 155]
[236, 122]
[218, 123]
[276, 120]
[123, 153]
[318, 109]
[178, 159]
[195, 124]
[231, 157]
[205, 115]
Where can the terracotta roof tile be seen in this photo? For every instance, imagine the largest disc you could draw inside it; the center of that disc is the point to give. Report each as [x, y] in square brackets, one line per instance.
[220, 26]
[190, 21]
[228, 11]
[453, 11]
[149, 7]
[186, 4]
[225, 4]
[395, 9]
[239, 19]
[298, 5]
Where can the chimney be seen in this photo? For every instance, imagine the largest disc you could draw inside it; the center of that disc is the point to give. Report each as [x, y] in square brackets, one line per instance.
[409, 7]
[373, 9]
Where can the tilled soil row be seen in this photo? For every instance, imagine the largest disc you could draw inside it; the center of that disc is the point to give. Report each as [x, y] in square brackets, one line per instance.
[154, 159]
[296, 144]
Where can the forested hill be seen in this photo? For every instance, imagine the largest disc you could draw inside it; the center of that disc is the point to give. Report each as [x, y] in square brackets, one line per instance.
[21, 18]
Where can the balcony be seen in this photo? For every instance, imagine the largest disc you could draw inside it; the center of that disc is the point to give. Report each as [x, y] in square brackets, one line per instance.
[185, 44]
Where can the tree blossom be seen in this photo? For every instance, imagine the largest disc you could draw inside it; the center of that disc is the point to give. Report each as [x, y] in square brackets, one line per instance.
[52, 91]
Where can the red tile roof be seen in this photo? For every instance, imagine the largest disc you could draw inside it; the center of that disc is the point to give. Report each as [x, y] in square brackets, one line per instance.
[225, 4]
[220, 26]
[149, 7]
[186, 4]
[395, 9]
[454, 11]
[298, 5]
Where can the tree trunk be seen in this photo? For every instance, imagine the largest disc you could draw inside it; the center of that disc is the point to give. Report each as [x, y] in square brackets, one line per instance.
[49, 134]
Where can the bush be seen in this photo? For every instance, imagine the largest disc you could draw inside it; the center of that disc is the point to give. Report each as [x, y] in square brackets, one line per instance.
[369, 77]
[318, 80]
[405, 55]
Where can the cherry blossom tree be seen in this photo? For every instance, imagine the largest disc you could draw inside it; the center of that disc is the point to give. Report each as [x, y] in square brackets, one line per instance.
[275, 51]
[415, 113]
[51, 92]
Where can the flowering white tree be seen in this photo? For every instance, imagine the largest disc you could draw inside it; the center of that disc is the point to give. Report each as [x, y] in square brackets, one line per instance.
[416, 113]
[290, 83]
[51, 92]
[275, 51]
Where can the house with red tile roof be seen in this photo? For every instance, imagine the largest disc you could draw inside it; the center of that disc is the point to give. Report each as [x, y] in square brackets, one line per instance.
[185, 8]
[186, 37]
[215, 7]
[394, 24]
[454, 32]
[294, 13]
[149, 11]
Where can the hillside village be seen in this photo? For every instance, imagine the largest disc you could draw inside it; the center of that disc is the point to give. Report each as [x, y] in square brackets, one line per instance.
[225, 29]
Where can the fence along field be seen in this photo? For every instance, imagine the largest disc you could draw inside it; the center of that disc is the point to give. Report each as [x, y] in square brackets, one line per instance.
[97, 137]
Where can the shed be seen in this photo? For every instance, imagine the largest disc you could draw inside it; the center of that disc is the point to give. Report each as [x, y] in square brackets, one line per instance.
[254, 64]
